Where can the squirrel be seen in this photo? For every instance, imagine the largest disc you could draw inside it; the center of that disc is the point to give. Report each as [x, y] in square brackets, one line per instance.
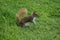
[24, 22]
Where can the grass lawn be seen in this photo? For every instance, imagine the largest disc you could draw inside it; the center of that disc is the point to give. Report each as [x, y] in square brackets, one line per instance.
[48, 24]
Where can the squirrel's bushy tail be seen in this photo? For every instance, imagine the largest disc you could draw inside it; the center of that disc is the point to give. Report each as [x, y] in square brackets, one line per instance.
[20, 13]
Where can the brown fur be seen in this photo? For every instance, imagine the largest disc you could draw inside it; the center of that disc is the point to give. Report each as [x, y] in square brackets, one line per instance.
[22, 22]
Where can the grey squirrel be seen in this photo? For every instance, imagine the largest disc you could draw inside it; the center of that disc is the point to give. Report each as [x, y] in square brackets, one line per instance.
[24, 22]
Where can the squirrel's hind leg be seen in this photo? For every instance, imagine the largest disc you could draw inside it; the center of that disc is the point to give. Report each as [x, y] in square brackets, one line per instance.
[26, 25]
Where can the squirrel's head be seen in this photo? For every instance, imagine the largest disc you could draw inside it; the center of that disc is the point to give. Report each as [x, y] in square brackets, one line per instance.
[35, 14]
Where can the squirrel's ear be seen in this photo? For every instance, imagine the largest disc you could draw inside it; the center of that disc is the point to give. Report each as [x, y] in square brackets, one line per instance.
[35, 12]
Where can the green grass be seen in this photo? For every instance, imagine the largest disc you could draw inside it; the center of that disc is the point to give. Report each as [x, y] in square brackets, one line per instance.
[48, 24]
